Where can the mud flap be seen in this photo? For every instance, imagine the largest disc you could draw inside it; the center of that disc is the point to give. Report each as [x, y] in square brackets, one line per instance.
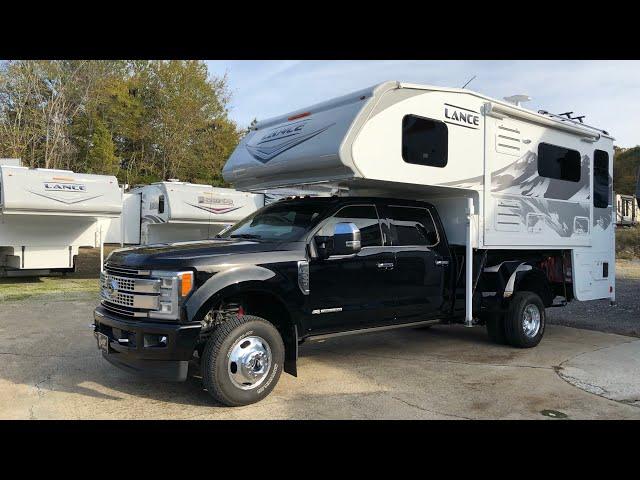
[291, 352]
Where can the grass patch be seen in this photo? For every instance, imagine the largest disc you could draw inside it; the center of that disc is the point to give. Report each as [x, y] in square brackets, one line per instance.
[12, 289]
[628, 242]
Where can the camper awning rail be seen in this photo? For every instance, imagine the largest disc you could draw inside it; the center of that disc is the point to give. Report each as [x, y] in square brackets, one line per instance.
[514, 111]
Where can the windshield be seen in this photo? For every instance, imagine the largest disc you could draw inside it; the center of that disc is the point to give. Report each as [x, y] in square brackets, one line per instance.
[278, 222]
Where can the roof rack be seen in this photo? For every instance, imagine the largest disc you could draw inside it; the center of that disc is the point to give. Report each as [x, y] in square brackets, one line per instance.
[566, 116]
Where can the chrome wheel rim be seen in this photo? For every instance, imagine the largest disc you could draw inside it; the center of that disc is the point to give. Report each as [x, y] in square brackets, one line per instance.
[531, 320]
[248, 362]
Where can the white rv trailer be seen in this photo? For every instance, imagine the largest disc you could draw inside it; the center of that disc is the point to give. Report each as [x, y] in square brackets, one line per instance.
[180, 211]
[506, 180]
[189, 212]
[626, 210]
[46, 215]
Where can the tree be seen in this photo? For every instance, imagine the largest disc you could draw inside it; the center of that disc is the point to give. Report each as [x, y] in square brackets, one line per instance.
[101, 156]
[625, 169]
[156, 119]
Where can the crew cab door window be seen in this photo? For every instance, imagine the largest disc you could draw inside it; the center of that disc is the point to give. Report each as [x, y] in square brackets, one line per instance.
[365, 217]
[413, 226]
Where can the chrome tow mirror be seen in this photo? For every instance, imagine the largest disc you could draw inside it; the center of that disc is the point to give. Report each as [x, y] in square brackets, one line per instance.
[346, 239]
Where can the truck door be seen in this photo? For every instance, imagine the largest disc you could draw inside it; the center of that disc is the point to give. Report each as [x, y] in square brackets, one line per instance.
[421, 263]
[352, 291]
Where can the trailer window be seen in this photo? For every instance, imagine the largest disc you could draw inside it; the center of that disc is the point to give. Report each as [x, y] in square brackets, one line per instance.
[424, 141]
[161, 204]
[558, 162]
[601, 179]
[413, 226]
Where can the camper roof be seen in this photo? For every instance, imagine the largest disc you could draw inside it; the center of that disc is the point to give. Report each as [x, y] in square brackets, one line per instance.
[58, 192]
[381, 88]
[323, 143]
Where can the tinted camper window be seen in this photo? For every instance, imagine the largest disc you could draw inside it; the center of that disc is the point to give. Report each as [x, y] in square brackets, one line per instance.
[424, 141]
[601, 179]
[558, 162]
[161, 204]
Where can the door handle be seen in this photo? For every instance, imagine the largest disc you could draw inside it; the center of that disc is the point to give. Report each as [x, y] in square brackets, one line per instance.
[386, 265]
[442, 263]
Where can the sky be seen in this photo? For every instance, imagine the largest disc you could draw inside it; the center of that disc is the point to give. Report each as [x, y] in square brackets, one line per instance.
[606, 91]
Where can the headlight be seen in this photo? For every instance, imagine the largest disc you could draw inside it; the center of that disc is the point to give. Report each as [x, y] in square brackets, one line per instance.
[175, 287]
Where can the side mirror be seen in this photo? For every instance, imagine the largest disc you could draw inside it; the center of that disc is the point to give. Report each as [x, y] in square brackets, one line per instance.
[346, 239]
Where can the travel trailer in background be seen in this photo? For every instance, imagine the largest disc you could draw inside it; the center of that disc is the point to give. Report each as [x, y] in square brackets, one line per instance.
[46, 215]
[626, 210]
[173, 211]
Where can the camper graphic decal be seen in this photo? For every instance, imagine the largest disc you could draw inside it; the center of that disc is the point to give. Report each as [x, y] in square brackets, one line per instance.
[216, 205]
[538, 202]
[277, 140]
[215, 210]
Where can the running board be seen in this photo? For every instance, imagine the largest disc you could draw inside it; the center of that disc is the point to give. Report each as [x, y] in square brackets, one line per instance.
[318, 338]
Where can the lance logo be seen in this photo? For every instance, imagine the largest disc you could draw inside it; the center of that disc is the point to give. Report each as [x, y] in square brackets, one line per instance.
[462, 117]
[65, 187]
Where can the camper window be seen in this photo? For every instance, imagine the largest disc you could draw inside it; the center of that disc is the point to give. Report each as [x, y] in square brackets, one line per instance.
[413, 226]
[600, 179]
[161, 204]
[558, 162]
[424, 141]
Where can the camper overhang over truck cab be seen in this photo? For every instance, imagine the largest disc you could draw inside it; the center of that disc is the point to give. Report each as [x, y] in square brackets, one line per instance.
[46, 215]
[537, 182]
[445, 206]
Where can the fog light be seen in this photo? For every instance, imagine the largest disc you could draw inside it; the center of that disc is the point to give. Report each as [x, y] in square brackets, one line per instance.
[155, 341]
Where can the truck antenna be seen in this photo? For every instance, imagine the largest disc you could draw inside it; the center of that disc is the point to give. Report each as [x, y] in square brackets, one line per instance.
[470, 80]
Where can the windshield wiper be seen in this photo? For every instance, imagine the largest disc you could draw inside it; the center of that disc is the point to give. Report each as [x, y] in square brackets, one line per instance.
[249, 236]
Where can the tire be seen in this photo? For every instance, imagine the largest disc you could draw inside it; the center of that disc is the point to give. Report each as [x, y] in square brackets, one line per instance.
[495, 328]
[521, 328]
[258, 351]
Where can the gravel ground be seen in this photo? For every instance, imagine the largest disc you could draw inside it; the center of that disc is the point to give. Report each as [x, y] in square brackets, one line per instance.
[623, 319]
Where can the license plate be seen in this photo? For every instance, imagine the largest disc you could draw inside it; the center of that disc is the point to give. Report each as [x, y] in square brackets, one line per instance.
[103, 342]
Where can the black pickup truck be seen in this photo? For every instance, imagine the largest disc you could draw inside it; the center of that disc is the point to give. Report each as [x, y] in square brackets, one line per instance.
[303, 269]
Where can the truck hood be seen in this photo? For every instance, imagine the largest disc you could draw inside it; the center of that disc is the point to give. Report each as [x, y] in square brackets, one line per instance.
[206, 255]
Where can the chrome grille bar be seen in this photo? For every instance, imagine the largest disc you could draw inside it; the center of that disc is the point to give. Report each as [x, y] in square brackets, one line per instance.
[129, 284]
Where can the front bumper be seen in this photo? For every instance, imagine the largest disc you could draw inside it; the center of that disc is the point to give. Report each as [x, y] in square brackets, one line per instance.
[135, 346]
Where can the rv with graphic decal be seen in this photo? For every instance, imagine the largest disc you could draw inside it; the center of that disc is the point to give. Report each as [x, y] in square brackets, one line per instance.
[47, 215]
[175, 211]
[440, 206]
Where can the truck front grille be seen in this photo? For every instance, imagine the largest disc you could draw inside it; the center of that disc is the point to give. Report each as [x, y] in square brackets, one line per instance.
[127, 292]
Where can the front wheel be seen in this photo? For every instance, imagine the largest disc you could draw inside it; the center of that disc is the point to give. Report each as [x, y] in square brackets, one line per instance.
[525, 320]
[242, 360]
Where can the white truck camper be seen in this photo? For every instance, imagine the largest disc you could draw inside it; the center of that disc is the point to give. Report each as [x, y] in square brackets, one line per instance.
[508, 182]
[173, 211]
[46, 215]
[180, 211]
